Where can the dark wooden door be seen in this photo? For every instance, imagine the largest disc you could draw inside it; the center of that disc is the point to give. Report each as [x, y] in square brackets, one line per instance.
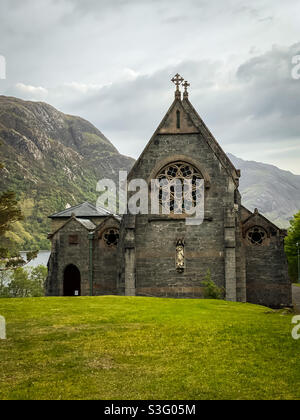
[72, 281]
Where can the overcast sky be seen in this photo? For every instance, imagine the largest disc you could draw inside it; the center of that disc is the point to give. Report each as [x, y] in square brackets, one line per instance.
[111, 61]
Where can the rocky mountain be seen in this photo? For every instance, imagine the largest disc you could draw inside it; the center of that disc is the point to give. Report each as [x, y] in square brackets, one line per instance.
[276, 193]
[51, 160]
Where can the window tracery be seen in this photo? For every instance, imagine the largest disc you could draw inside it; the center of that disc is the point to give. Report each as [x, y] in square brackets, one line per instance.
[172, 193]
[256, 236]
[111, 237]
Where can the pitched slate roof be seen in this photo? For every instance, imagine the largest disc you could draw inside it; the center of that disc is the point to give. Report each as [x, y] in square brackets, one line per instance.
[85, 209]
[88, 224]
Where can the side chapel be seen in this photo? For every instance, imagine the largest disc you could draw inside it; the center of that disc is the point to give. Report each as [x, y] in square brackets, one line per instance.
[98, 253]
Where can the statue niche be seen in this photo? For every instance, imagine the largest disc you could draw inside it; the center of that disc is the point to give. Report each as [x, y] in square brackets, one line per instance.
[180, 263]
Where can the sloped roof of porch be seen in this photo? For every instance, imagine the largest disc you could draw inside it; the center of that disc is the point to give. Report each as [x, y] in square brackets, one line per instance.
[83, 210]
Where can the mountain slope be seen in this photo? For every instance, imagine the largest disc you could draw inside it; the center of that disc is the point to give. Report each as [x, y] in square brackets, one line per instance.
[51, 159]
[276, 193]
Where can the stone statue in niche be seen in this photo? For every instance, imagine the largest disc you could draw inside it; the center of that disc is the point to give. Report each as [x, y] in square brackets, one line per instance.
[180, 256]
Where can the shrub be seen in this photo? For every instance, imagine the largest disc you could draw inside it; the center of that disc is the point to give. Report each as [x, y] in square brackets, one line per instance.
[291, 247]
[211, 290]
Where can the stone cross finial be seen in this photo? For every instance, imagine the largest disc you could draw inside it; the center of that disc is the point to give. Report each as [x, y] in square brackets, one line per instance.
[177, 80]
[186, 85]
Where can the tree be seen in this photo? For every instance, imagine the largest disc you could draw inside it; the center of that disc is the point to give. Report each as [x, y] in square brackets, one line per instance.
[10, 213]
[38, 276]
[24, 282]
[4, 280]
[291, 248]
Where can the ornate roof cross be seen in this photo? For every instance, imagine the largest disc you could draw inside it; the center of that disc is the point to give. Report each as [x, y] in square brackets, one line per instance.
[177, 80]
[186, 85]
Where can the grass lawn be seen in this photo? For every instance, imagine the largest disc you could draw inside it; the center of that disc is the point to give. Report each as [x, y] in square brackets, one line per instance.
[296, 284]
[144, 348]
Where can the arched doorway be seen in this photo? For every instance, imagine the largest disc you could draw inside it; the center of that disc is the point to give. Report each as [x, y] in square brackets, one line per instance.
[72, 281]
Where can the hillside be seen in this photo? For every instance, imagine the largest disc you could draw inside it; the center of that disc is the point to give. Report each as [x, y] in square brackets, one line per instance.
[130, 348]
[276, 193]
[51, 160]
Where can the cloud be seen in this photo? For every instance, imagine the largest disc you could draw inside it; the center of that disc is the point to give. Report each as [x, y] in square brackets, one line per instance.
[254, 108]
[82, 88]
[31, 93]
[111, 63]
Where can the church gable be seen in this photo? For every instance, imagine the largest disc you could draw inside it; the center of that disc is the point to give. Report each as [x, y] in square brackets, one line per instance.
[177, 121]
[257, 219]
[183, 134]
[109, 221]
[110, 226]
[74, 223]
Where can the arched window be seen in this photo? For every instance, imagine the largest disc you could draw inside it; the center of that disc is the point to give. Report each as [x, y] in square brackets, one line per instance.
[178, 119]
[174, 194]
[256, 236]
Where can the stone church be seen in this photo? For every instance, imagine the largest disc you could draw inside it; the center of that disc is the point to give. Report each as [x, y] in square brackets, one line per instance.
[98, 253]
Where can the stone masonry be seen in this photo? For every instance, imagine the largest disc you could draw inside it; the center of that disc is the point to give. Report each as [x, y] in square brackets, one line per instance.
[243, 251]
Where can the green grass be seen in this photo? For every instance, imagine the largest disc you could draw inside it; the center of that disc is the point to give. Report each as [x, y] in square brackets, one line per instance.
[143, 348]
[296, 284]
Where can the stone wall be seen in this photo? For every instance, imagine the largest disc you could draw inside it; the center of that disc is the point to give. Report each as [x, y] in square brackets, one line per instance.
[267, 279]
[266, 264]
[64, 254]
[155, 237]
[105, 269]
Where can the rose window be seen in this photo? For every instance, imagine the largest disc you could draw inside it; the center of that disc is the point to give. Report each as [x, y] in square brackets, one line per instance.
[256, 236]
[111, 237]
[175, 195]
